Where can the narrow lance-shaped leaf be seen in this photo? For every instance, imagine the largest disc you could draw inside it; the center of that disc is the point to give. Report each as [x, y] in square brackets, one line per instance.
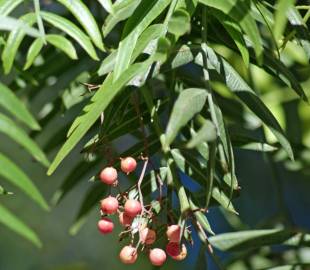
[99, 102]
[33, 52]
[39, 19]
[6, 7]
[240, 12]
[280, 21]
[13, 42]
[107, 5]
[249, 239]
[18, 178]
[13, 105]
[86, 19]
[136, 24]
[8, 127]
[63, 44]
[207, 133]
[72, 30]
[11, 24]
[235, 32]
[301, 29]
[122, 11]
[236, 84]
[189, 103]
[153, 32]
[200, 217]
[16, 225]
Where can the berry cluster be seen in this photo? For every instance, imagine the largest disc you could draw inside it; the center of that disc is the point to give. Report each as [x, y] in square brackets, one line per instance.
[137, 219]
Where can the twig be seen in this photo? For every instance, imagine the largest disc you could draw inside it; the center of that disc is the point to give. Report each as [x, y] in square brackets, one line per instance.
[140, 182]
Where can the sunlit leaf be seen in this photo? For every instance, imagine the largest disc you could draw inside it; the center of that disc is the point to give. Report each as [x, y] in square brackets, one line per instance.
[63, 44]
[72, 30]
[86, 19]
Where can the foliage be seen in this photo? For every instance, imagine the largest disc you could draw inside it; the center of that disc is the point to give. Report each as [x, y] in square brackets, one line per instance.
[183, 79]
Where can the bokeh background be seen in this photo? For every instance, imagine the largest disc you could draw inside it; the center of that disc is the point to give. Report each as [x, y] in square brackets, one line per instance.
[270, 190]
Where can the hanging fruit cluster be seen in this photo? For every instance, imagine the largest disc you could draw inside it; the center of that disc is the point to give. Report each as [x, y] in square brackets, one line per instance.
[141, 223]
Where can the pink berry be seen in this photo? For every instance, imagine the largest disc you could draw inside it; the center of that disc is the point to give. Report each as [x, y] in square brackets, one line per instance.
[125, 220]
[128, 164]
[182, 255]
[157, 256]
[173, 249]
[132, 208]
[147, 236]
[174, 233]
[108, 175]
[128, 255]
[109, 205]
[105, 225]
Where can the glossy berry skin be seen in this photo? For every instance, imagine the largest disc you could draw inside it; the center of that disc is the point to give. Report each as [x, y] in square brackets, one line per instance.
[157, 257]
[109, 205]
[128, 165]
[105, 225]
[182, 255]
[128, 255]
[132, 208]
[173, 249]
[147, 236]
[125, 220]
[108, 175]
[174, 233]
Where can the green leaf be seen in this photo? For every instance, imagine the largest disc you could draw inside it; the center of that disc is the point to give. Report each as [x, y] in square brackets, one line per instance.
[122, 11]
[207, 133]
[85, 18]
[151, 33]
[237, 85]
[240, 12]
[12, 104]
[37, 9]
[236, 34]
[16, 225]
[301, 29]
[99, 102]
[17, 177]
[8, 127]
[12, 24]
[256, 146]
[200, 217]
[33, 52]
[297, 266]
[249, 239]
[6, 7]
[223, 200]
[179, 23]
[280, 19]
[13, 42]
[63, 44]
[188, 103]
[136, 24]
[107, 5]
[72, 30]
